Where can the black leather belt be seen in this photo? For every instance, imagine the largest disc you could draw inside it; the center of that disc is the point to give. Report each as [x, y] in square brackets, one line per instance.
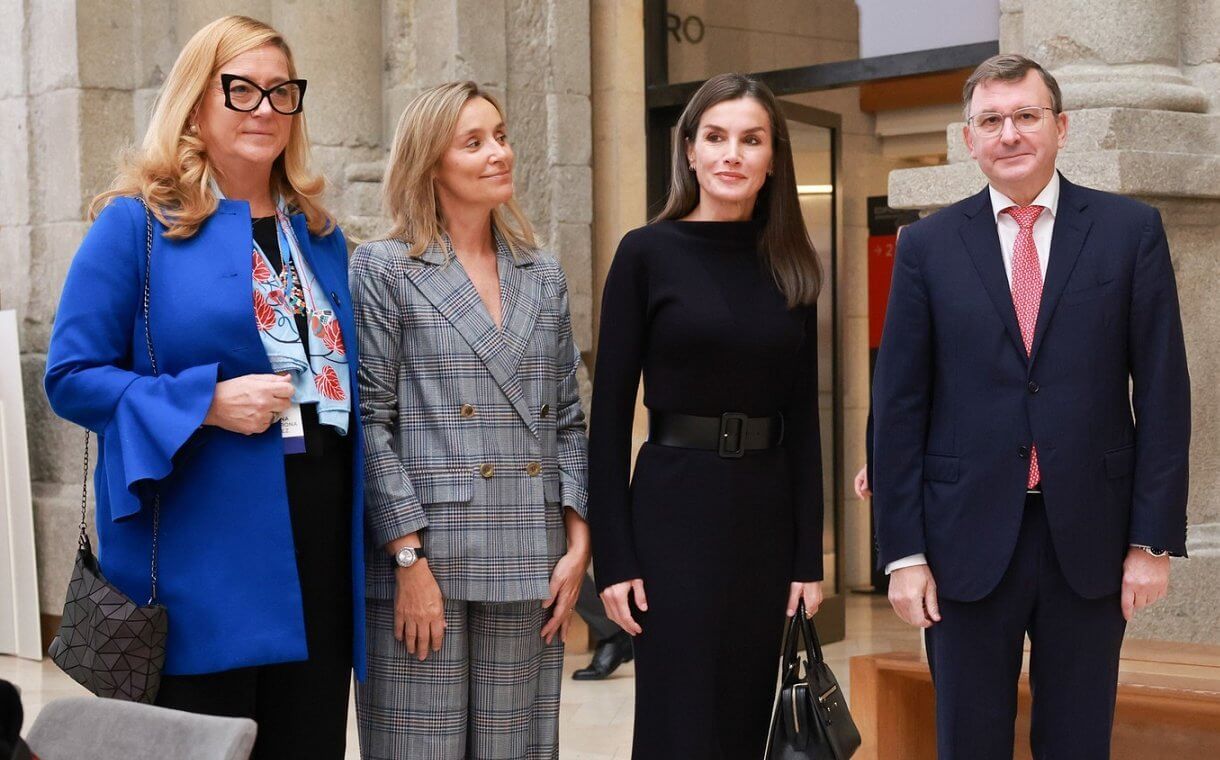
[730, 435]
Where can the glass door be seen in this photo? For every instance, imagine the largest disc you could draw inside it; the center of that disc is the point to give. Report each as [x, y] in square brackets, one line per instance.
[814, 137]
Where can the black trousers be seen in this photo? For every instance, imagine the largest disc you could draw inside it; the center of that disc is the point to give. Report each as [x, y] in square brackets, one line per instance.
[975, 654]
[590, 608]
[300, 707]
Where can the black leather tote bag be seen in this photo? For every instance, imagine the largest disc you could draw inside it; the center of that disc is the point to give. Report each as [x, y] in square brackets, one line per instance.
[810, 720]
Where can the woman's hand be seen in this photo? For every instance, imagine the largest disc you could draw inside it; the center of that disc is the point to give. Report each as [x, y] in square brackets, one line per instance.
[249, 404]
[419, 610]
[615, 599]
[812, 594]
[566, 578]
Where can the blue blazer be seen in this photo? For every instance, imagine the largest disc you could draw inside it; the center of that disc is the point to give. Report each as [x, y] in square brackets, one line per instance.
[957, 404]
[227, 570]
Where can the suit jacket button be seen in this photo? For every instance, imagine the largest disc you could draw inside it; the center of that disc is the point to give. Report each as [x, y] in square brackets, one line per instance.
[532, 469]
[487, 470]
[546, 410]
[1022, 452]
[467, 411]
[1033, 387]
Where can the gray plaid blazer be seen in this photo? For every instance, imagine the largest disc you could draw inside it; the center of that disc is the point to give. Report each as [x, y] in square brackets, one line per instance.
[473, 435]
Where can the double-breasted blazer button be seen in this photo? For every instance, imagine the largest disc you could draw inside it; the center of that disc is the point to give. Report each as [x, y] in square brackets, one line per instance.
[487, 470]
[532, 469]
[545, 411]
[467, 411]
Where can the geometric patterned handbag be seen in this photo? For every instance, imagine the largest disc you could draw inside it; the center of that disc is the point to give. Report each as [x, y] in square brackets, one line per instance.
[106, 642]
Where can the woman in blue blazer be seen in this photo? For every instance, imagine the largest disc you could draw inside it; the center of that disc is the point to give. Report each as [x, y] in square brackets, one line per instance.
[261, 523]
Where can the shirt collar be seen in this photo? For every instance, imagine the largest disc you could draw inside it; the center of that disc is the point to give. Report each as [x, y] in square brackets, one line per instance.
[1048, 198]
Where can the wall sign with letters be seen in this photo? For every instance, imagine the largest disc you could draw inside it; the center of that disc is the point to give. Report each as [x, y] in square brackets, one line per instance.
[689, 29]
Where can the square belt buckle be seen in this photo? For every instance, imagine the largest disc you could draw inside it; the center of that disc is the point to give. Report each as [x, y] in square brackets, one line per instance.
[732, 432]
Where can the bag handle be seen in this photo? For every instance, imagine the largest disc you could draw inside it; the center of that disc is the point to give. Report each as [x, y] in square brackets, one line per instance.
[83, 539]
[798, 627]
[810, 631]
[801, 627]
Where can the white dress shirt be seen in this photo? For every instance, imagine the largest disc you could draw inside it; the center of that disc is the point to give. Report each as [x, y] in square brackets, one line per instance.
[1008, 228]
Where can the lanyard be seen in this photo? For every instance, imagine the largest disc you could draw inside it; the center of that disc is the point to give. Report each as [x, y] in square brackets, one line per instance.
[283, 231]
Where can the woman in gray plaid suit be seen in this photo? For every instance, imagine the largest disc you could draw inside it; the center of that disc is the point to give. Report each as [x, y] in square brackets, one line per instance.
[475, 450]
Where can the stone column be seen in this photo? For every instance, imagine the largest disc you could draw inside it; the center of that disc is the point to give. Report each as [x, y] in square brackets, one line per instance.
[1105, 53]
[1140, 125]
[81, 64]
[338, 48]
[619, 142]
[1201, 47]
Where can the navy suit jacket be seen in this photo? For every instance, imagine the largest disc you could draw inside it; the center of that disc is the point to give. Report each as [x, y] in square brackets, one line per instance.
[1104, 396]
[227, 566]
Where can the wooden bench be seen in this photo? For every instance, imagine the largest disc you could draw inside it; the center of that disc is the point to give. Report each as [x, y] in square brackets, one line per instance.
[1168, 704]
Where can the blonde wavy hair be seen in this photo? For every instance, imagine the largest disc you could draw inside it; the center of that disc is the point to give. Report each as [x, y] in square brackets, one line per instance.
[408, 189]
[171, 170]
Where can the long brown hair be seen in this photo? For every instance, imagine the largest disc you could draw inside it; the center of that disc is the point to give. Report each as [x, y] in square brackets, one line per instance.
[172, 171]
[784, 243]
[408, 191]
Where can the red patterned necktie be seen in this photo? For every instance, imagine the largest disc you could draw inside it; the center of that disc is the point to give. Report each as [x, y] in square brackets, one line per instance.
[1027, 293]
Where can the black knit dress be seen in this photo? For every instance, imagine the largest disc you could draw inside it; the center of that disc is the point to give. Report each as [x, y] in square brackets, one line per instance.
[716, 541]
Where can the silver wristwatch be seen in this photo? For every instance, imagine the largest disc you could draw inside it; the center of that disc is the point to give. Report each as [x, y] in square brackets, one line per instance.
[409, 555]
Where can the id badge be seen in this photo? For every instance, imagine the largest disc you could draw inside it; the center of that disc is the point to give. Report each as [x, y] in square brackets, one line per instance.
[292, 429]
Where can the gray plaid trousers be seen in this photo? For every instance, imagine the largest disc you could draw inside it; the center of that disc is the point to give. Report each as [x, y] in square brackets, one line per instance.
[492, 692]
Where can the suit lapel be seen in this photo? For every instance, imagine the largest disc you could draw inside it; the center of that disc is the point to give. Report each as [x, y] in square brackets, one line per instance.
[521, 301]
[333, 281]
[441, 279]
[1071, 229]
[320, 266]
[983, 242]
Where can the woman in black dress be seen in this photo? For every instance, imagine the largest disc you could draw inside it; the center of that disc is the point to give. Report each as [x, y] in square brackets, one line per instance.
[720, 529]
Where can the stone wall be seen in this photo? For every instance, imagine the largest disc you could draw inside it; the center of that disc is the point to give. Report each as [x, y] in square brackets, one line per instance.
[77, 83]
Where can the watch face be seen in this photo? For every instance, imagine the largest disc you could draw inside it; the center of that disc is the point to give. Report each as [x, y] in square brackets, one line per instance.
[406, 557]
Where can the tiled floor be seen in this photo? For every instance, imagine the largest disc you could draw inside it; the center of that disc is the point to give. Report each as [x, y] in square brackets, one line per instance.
[596, 717]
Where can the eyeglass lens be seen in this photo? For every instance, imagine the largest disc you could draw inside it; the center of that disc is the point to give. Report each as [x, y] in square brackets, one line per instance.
[245, 96]
[1023, 120]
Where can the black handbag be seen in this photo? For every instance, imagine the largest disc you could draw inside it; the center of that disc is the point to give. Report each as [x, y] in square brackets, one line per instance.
[809, 720]
[106, 642]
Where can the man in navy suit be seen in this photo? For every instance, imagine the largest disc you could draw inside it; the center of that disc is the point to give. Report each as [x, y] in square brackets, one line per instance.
[1032, 416]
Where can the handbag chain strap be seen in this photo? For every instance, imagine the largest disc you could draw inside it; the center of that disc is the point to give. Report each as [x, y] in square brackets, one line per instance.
[83, 539]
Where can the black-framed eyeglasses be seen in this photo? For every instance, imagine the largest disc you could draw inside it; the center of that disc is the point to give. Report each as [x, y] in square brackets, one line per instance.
[243, 95]
[1028, 119]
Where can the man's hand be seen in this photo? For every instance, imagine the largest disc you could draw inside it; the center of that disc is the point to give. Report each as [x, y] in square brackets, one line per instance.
[913, 596]
[1145, 581]
[861, 484]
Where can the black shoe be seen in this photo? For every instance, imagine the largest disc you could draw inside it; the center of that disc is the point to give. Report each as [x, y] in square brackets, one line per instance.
[610, 653]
